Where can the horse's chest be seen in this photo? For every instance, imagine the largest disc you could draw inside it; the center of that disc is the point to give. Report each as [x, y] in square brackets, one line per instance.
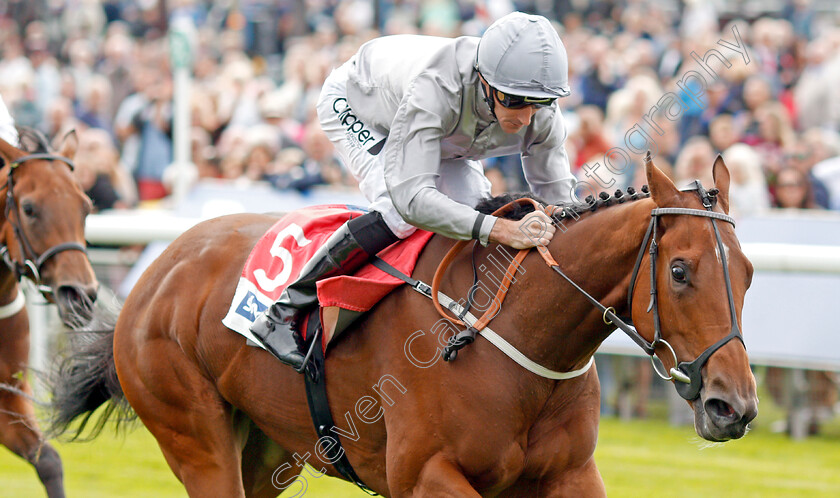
[495, 466]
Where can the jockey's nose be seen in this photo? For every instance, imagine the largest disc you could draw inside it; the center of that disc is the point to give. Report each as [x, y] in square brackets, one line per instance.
[525, 114]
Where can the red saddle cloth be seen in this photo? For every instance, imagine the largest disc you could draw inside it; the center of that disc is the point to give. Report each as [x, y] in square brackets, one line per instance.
[278, 257]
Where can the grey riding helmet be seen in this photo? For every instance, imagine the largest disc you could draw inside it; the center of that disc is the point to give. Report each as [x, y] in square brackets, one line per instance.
[522, 55]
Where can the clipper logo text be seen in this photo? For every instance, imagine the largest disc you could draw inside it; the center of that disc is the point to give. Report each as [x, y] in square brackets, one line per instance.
[355, 127]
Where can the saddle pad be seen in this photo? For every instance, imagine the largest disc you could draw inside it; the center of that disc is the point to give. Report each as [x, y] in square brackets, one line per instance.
[280, 254]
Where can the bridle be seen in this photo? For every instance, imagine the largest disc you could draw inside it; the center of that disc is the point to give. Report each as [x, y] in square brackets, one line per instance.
[32, 262]
[687, 375]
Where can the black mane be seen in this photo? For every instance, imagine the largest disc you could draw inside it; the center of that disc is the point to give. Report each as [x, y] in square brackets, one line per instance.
[488, 206]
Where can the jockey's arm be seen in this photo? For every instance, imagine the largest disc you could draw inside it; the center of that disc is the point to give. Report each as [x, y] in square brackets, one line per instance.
[546, 164]
[547, 171]
[412, 164]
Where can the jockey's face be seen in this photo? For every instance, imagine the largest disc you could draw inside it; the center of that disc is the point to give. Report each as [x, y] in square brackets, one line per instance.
[513, 120]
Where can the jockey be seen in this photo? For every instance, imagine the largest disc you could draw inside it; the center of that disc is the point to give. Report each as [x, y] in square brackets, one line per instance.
[411, 116]
[8, 132]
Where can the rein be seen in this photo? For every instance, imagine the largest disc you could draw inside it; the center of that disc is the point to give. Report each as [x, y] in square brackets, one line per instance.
[32, 262]
[687, 374]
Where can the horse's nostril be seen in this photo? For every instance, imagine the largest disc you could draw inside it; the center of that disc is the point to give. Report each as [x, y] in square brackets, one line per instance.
[721, 409]
[91, 293]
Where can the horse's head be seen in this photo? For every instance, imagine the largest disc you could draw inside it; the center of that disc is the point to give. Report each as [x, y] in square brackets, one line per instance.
[701, 276]
[43, 224]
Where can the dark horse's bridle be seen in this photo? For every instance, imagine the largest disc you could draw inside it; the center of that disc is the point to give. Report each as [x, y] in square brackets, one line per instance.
[32, 262]
[687, 374]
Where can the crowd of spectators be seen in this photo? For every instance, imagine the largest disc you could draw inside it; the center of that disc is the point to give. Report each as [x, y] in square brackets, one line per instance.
[102, 67]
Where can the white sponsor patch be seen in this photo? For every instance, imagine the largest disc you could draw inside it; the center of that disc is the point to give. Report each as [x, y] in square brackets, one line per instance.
[360, 135]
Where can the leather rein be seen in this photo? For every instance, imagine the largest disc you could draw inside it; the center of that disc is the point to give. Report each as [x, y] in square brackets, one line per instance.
[32, 262]
[686, 374]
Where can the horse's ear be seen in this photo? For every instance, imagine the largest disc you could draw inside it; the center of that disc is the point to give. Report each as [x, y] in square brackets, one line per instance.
[720, 173]
[69, 144]
[662, 189]
[8, 151]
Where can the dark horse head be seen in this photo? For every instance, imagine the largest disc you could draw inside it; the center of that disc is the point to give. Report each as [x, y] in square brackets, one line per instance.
[42, 235]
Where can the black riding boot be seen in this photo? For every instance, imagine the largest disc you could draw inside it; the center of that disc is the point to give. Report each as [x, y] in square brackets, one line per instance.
[347, 249]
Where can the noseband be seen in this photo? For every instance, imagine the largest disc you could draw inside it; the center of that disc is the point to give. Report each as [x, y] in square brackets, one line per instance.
[32, 262]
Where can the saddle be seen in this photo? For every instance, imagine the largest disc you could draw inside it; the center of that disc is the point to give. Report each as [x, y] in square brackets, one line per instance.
[280, 254]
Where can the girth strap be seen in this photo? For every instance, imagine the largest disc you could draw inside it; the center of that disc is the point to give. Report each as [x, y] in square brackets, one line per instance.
[319, 407]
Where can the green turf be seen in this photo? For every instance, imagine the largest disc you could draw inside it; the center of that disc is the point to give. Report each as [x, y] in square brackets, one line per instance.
[637, 458]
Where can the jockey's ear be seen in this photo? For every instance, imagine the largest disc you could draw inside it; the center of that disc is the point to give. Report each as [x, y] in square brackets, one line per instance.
[721, 175]
[69, 144]
[662, 189]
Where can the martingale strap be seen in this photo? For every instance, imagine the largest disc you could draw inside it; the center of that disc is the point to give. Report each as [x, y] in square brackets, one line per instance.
[503, 345]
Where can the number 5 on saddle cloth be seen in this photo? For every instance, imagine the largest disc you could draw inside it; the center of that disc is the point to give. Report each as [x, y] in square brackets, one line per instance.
[278, 257]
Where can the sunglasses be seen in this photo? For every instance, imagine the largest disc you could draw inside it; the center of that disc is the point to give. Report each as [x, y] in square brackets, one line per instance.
[518, 102]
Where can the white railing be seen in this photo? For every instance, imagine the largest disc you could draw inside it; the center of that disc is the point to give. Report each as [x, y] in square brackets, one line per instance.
[143, 227]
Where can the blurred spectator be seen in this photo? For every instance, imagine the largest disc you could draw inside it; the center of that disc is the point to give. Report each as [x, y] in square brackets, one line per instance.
[748, 193]
[793, 190]
[588, 141]
[802, 156]
[774, 135]
[320, 165]
[153, 123]
[203, 154]
[695, 163]
[100, 174]
[94, 109]
[722, 132]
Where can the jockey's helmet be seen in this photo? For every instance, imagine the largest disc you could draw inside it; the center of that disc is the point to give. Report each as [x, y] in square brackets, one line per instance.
[522, 54]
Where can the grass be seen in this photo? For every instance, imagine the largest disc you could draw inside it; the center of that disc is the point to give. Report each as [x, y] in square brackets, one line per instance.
[636, 458]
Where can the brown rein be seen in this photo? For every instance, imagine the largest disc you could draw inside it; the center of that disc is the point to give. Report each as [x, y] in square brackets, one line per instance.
[494, 308]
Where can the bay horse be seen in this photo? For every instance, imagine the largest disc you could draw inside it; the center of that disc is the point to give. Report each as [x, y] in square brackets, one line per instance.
[232, 421]
[41, 237]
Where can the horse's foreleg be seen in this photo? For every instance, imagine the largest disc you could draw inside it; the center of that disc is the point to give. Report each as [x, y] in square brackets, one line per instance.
[583, 481]
[438, 477]
[182, 409]
[20, 434]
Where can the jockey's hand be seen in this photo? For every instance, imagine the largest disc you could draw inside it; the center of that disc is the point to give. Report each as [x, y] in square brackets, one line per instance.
[534, 229]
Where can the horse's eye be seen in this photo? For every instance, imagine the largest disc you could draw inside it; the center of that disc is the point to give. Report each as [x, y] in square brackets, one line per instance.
[678, 273]
[28, 209]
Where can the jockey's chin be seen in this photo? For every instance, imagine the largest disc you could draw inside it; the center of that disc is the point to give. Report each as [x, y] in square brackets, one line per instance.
[511, 125]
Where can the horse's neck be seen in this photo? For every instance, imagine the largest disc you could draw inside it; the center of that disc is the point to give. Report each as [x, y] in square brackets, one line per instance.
[8, 284]
[598, 252]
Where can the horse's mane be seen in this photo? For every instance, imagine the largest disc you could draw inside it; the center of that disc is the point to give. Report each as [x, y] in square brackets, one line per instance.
[590, 204]
[32, 140]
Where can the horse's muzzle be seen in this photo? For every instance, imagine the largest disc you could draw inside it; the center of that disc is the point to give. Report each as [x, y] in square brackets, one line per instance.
[75, 303]
[726, 416]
